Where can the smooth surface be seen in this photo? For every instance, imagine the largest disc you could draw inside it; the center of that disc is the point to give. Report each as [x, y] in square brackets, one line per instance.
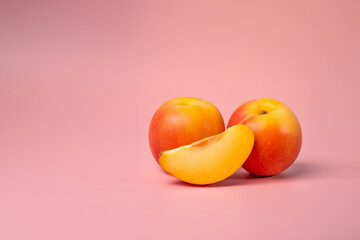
[80, 81]
[182, 121]
[277, 131]
[211, 159]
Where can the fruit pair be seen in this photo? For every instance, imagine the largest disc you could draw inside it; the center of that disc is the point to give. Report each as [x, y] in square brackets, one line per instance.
[187, 137]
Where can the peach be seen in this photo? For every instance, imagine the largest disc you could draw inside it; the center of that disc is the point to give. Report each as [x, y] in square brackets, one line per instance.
[182, 121]
[277, 132]
[212, 159]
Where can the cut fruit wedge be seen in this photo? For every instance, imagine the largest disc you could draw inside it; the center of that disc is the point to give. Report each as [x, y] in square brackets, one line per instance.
[211, 159]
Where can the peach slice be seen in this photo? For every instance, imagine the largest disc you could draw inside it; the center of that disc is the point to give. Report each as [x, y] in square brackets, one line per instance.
[211, 159]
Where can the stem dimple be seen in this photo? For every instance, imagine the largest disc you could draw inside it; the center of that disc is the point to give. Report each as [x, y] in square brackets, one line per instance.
[264, 112]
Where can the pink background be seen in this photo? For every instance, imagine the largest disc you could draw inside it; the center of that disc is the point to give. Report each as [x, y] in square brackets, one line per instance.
[80, 80]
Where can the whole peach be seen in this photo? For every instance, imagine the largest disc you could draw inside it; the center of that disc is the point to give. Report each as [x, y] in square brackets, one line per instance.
[278, 136]
[182, 121]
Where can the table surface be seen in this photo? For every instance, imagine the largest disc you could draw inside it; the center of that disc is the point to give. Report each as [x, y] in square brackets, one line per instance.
[79, 82]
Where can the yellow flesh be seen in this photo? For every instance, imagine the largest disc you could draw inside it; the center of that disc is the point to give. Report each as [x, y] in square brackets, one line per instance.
[211, 159]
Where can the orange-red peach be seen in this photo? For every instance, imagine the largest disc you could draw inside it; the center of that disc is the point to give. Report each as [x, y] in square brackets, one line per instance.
[182, 121]
[278, 136]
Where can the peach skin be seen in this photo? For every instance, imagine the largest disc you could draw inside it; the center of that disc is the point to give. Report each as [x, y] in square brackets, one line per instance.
[182, 121]
[278, 136]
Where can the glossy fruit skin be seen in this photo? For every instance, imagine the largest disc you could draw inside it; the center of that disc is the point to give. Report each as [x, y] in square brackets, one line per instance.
[278, 136]
[182, 121]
